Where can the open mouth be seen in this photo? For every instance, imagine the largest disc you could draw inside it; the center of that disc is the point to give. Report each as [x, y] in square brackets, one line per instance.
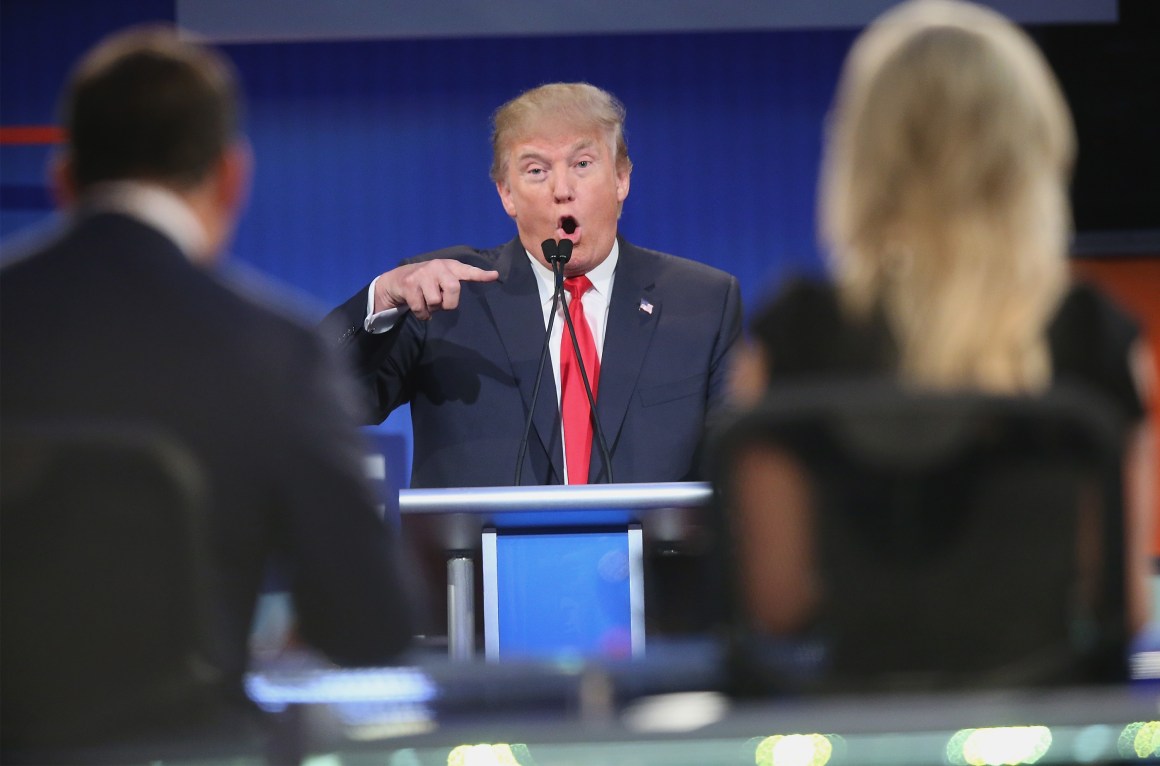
[568, 224]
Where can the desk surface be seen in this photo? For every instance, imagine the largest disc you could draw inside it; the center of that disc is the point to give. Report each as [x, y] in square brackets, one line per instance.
[663, 711]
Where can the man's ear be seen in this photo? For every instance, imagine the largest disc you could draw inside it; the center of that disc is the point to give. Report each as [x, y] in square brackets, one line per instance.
[234, 173]
[62, 180]
[218, 200]
[505, 196]
[622, 183]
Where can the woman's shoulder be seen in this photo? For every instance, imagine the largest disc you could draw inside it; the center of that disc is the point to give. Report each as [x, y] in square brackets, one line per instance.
[798, 300]
[1086, 305]
[1091, 339]
[804, 330]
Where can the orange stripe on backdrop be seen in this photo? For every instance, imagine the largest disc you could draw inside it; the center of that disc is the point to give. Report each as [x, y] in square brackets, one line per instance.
[31, 134]
[1135, 283]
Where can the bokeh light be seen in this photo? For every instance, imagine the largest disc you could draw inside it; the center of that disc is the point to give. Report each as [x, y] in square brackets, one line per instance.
[490, 755]
[998, 746]
[1140, 740]
[794, 750]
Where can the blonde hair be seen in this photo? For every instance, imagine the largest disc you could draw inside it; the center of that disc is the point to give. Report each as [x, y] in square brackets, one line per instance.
[574, 105]
[943, 194]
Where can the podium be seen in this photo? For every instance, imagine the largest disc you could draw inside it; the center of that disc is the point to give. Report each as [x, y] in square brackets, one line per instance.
[562, 565]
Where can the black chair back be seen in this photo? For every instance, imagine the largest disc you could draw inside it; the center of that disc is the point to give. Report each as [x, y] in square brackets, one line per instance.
[105, 628]
[954, 540]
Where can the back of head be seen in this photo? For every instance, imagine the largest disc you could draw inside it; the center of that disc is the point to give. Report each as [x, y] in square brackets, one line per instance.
[576, 107]
[146, 105]
[943, 195]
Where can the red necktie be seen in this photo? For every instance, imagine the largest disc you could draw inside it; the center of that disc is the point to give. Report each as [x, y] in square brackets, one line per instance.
[574, 409]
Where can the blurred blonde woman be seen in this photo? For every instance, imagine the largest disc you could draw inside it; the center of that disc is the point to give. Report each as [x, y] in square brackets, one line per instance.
[943, 210]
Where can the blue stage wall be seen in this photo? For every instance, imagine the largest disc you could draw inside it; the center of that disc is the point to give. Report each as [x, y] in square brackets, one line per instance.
[369, 152]
[372, 151]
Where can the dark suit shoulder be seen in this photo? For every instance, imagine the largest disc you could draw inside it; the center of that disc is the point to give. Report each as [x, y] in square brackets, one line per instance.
[669, 266]
[472, 256]
[20, 246]
[268, 321]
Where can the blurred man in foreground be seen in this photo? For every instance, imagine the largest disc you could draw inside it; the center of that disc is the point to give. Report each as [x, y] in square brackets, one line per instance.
[117, 316]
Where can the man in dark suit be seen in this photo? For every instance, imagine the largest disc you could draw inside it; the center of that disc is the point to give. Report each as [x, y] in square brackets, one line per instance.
[119, 314]
[458, 333]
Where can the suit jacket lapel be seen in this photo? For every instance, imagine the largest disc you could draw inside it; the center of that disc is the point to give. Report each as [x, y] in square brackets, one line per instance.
[518, 316]
[633, 313]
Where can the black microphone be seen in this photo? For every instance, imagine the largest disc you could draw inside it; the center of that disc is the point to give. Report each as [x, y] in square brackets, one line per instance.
[565, 252]
[551, 252]
[563, 255]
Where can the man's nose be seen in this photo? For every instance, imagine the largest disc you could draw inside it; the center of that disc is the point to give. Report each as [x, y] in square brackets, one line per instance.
[562, 187]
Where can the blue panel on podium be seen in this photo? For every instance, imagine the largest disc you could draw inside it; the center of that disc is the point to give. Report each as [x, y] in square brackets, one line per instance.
[558, 592]
[557, 518]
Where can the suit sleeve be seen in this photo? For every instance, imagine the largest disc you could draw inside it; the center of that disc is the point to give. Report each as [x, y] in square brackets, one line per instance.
[728, 335]
[379, 363]
[346, 576]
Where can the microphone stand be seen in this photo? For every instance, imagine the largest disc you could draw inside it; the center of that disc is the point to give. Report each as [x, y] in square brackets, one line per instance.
[557, 254]
[551, 252]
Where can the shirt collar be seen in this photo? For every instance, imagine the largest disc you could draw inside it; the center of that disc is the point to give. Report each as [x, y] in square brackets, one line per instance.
[153, 206]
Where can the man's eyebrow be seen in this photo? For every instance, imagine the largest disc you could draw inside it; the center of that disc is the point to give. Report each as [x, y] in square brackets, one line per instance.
[582, 145]
[530, 154]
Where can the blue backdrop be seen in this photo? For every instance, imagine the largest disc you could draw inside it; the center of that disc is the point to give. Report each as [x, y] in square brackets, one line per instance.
[370, 151]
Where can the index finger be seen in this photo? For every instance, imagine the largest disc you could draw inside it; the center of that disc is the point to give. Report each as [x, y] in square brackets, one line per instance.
[466, 273]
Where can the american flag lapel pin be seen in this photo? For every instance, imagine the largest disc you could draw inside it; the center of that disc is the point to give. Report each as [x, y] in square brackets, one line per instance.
[645, 306]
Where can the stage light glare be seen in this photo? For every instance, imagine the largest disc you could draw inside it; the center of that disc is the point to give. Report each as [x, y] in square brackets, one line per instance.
[1000, 746]
[794, 750]
[1140, 740]
[677, 712]
[490, 755]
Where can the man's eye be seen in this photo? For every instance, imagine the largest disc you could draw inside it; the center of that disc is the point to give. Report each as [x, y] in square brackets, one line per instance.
[535, 171]
[583, 163]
